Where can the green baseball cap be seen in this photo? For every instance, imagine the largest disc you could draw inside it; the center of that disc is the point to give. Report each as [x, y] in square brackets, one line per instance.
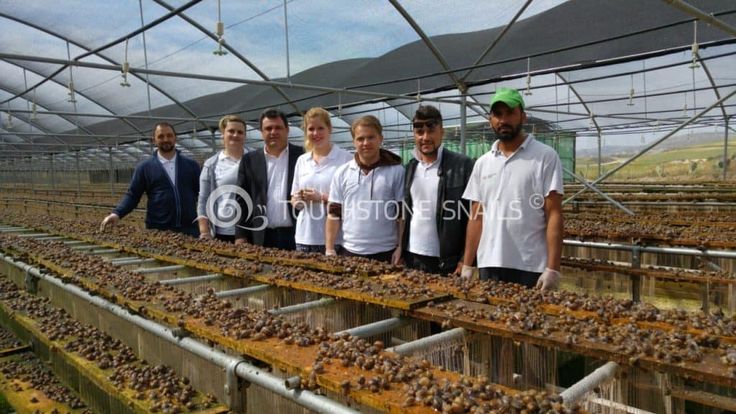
[509, 96]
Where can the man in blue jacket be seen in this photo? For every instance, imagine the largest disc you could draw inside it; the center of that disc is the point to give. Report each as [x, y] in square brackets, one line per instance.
[171, 183]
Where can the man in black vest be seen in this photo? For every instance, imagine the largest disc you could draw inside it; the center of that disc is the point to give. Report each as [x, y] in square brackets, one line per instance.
[266, 176]
[436, 215]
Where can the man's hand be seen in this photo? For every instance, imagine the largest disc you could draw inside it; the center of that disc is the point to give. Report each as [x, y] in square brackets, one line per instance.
[111, 220]
[311, 195]
[467, 272]
[396, 258]
[549, 280]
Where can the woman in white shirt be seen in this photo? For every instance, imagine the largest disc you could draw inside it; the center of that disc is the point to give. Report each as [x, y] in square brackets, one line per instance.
[312, 177]
[219, 170]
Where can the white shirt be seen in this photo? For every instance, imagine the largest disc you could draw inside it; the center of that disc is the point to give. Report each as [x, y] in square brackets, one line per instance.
[310, 223]
[277, 205]
[371, 205]
[423, 235]
[169, 167]
[512, 190]
[226, 173]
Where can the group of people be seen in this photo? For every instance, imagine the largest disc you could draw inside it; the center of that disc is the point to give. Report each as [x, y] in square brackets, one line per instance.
[499, 217]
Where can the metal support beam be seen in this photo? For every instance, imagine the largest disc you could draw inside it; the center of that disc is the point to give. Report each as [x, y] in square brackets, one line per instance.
[726, 161]
[463, 122]
[608, 198]
[242, 291]
[302, 306]
[125, 261]
[162, 269]
[103, 251]
[240, 81]
[654, 144]
[428, 342]
[193, 279]
[595, 379]
[703, 16]
[376, 328]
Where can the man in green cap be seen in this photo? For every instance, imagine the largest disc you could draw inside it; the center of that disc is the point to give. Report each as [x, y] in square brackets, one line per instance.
[515, 190]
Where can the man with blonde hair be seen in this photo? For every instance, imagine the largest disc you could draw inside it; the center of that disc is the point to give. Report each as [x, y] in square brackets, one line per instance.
[365, 198]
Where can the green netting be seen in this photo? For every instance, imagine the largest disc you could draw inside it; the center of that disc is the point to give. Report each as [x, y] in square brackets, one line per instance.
[562, 142]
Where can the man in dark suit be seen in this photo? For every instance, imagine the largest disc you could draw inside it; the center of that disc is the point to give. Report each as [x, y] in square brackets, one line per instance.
[266, 176]
[171, 182]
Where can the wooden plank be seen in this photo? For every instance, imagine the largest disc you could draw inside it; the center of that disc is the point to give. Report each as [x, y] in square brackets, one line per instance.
[710, 369]
[24, 398]
[89, 369]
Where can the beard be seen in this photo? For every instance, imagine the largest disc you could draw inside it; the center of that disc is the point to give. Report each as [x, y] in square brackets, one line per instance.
[510, 134]
[165, 147]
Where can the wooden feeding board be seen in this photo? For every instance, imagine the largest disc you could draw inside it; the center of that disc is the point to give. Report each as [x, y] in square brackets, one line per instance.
[710, 369]
[368, 296]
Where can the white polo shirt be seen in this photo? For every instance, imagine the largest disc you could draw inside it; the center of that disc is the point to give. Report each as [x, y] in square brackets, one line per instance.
[169, 166]
[310, 223]
[277, 206]
[512, 190]
[423, 235]
[371, 205]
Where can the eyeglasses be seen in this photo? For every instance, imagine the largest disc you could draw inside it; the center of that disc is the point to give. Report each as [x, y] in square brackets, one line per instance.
[420, 126]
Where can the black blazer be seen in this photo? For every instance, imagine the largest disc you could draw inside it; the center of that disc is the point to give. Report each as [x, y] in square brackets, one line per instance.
[253, 179]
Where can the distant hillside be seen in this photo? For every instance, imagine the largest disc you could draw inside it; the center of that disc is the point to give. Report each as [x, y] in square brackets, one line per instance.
[686, 158]
[670, 143]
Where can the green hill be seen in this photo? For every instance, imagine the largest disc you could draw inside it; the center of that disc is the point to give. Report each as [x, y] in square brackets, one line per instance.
[691, 162]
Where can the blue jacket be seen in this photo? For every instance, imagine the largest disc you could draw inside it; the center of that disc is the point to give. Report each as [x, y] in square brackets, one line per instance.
[170, 207]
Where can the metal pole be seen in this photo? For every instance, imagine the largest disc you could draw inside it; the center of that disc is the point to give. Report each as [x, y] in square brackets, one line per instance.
[79, 176]
[427, 342]
[53, 172]
[725, 150]
[243, 370]
[724, 254]
[701, 15]
[242, 291]
[463, 120]
[112, 187]
[376, 328]
[302, 306]
[600, 172]
[599, 192]
[655, 143]
[578, 390]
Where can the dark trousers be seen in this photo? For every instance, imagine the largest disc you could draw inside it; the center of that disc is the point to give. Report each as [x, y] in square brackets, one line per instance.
[280, 238]
[381, 257]
[230, 238]
[313, 248]
[505, 274]
[427, 264]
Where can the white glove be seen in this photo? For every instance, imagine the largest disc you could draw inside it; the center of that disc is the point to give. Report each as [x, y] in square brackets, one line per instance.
[549, 280]
[109, 221]
[330, 252]
[467, 272]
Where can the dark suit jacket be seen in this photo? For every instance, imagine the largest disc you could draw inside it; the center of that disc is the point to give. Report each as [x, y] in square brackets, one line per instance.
[252, 178]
